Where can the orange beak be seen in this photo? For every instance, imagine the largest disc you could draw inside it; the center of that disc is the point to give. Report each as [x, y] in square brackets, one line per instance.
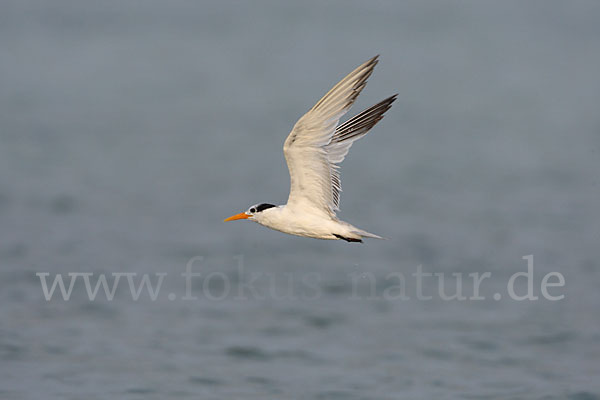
[241, 215]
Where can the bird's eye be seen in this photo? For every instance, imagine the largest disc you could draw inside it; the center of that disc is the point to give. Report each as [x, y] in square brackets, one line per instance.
[253, 210]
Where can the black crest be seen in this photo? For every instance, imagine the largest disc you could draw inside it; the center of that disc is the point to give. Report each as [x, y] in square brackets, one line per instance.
[264, 206]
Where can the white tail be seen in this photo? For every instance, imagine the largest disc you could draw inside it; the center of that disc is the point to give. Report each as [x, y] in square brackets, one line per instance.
[367, 234]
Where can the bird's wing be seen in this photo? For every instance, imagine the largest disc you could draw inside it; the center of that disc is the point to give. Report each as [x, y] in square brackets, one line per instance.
[315, 147]
[346, 134]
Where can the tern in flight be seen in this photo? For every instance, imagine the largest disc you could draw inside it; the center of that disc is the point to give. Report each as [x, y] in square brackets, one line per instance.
[313, 151]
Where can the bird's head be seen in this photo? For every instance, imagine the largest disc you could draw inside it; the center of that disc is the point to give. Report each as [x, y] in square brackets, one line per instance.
[251, 213]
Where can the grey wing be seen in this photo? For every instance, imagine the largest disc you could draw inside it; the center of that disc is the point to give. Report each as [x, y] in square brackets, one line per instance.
[315, 147]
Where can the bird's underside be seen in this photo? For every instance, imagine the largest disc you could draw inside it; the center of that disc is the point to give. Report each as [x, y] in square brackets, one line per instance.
[313, 151]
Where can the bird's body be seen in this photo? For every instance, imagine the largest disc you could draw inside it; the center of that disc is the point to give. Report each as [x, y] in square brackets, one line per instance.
[309, 222]
[313, 150]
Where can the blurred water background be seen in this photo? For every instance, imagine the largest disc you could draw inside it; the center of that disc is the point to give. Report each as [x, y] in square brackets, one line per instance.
[130, 129]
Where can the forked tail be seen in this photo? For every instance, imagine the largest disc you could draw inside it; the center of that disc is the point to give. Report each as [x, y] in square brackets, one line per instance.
[367, 234]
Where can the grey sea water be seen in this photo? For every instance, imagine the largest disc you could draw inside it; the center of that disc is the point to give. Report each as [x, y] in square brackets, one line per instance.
[130, 130]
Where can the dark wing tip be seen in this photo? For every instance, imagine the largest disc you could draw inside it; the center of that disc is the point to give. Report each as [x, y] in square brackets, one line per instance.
[372, 62]
[360, 124]
[359, 78]
[388, 101]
